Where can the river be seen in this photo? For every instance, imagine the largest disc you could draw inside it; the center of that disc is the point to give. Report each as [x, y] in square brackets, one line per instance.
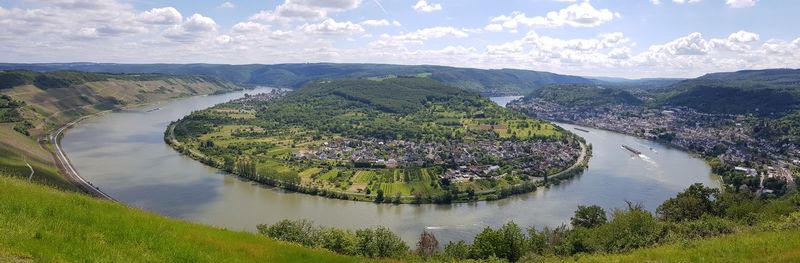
[124, 154]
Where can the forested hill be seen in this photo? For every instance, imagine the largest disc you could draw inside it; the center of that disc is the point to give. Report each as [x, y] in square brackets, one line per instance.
[395, 95]
[583, 95]
[499, 81]
[768, 93]
[387, 108]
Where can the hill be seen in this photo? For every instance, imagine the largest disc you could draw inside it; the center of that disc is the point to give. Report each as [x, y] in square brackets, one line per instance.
[642, 84]
[494, 81]
[403, 139]
[743, 247]
[33, 104]
[766, 93]
[41, 224]
[583, 95]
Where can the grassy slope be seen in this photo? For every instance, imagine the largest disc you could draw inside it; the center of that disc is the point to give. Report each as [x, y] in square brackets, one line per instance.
[48, 108]
[745, 247]
[45, 225]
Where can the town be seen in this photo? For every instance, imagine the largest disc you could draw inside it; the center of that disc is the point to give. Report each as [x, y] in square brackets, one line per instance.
[726, 137]
[464, 161]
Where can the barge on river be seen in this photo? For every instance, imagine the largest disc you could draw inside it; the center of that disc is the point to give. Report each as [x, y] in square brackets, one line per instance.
[631, 149]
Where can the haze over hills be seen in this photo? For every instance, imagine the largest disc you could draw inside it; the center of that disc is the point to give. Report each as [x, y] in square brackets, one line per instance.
[488, 81]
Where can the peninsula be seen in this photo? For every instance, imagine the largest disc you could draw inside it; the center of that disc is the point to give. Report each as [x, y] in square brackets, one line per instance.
[397, 139]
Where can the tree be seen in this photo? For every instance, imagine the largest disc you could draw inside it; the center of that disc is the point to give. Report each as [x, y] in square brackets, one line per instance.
[339, 241]
[629, 229]
[427, 244]
[690, 204]
[484, 244]
[507, 242]
[380, 242]
[379, 196]
[457, 250]
[588, 216]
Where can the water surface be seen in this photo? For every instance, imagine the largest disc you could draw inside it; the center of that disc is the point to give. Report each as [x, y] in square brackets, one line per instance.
[124, 154]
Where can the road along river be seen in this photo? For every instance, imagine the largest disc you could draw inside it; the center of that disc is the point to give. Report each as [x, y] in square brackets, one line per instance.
[124, 154]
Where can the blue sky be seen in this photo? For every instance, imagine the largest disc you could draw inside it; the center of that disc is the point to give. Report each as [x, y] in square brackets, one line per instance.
[633, 38]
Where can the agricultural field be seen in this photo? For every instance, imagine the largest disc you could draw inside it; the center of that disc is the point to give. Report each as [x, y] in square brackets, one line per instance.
[392, 139]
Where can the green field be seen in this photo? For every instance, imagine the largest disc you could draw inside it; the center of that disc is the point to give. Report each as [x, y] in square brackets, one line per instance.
[285, 137]
[45, 225]
[764, 247]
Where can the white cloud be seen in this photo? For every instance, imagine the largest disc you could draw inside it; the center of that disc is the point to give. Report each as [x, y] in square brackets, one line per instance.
[305, 10]
[249, 27]
[161, 16]
[685, 1]
[192, 29]
[741, 3]
[655, 2]
[424, 6]
[493, 28]
[576, 15]
[433, 32]
[381, 22]
[227, 5]
[331, 27]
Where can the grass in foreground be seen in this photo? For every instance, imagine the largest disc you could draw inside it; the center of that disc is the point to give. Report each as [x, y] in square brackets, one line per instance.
[41, 224]
[744, 247]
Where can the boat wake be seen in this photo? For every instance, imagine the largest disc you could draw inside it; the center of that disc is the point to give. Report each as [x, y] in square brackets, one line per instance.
[648, 159]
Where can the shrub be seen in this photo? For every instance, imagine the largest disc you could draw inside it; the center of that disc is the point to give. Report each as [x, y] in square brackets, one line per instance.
[380, 242]
[707, 226]
[629, 229]
[589, 216]
[299, 231]
[690, 204]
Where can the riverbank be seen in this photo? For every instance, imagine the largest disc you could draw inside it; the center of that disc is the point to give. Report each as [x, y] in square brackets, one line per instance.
[576, 168]
[705, 158]
[51, 141]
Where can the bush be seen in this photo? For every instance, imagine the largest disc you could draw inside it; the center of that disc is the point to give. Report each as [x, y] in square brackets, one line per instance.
[457, 250]
[707, 226]
[507, 242]
[300, 231]
[629, 229]
[380, 242]
[690, 204]
[588, 216]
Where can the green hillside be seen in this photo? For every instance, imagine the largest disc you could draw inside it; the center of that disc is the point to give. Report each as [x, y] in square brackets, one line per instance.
[33, 104]
[494, 81]
[584, 95]
[767, 247]
[39, 224]
[766, 93]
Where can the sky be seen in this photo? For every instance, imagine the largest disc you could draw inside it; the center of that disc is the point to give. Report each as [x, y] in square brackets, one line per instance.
[613, 38]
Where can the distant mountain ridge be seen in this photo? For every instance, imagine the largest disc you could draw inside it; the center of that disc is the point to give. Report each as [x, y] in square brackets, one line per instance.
[768, 92]
[487, 81]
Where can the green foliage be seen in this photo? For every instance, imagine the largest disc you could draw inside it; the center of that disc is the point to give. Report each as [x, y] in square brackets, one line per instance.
[588, 216]
[459, 250]
[302, 232]
[629, 229]
[297, 75]
[377, 242]
[760, 92]
[706, 226]
[380, 242]
[690, 204]
[41, 224]
[584, 95]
